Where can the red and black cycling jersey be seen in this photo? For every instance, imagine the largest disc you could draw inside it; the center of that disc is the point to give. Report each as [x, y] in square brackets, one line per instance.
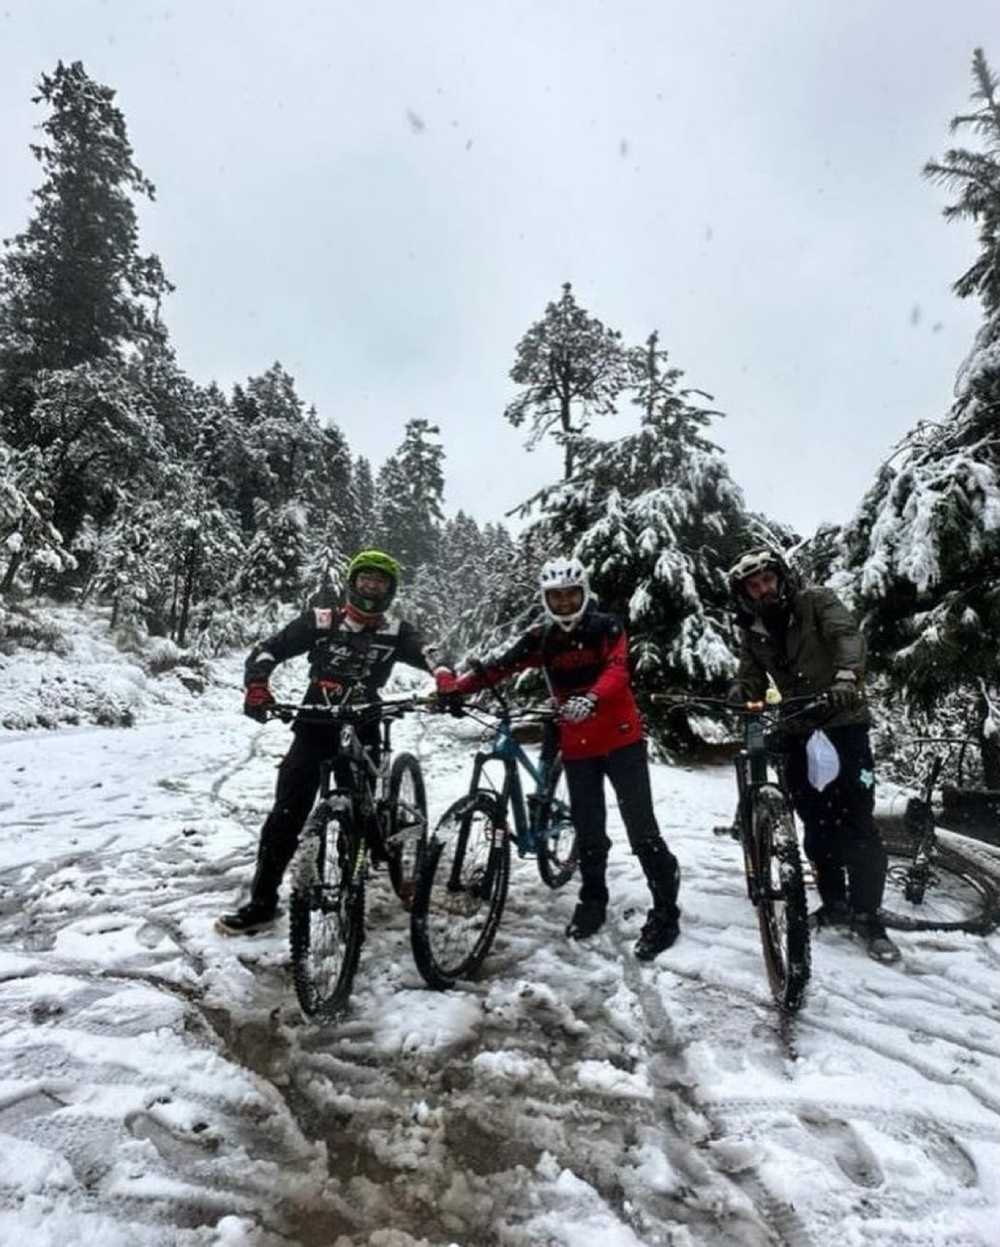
[342, 655]
[592, 658]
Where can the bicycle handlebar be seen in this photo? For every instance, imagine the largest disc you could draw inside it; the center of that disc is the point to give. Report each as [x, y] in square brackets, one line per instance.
[806, 701]
[345, 712]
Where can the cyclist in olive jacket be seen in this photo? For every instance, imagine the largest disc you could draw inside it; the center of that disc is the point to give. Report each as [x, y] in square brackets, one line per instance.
[584, 656]
[808, 642]
[350, 647]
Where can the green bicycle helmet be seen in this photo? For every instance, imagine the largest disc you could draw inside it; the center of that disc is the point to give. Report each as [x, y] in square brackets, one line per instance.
[374, 561]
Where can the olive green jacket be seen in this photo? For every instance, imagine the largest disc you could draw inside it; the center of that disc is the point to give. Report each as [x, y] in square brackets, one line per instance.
[822, 639]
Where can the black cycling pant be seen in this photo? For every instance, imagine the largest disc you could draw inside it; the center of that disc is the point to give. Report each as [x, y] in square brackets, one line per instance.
[295, 792]
[628, 770]
[841, 839]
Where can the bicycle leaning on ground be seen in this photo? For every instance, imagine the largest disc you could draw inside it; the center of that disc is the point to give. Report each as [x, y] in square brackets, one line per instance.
[381, 813]
[765, 827]
[932, 885]
[464, 871]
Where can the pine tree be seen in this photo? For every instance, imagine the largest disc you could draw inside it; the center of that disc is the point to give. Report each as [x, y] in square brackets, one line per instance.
[409, 497]
[925, 545]
[657, 519]
[28, 539]
[74, 288]
[572, 368]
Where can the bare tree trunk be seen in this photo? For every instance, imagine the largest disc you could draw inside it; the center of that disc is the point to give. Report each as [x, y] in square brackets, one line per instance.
[188, 593]
[16, 559]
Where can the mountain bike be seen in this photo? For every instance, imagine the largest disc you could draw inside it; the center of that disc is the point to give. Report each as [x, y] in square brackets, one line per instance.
[765, 827]
[931, 885]
[464, 872]
[380, 814]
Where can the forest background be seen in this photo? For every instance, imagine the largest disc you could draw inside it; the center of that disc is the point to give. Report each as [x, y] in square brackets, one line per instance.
[207, 517]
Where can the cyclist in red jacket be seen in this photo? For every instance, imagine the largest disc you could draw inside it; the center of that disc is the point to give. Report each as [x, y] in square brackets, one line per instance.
[583, 653]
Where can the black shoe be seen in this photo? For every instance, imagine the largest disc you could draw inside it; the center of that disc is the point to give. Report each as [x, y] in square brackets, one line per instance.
[587, 920]
[869, 927]
[247, 919]
[836, 916]
[657, 934]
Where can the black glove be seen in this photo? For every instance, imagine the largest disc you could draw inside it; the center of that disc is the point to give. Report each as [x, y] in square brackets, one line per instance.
[843, 693]
[257, 700]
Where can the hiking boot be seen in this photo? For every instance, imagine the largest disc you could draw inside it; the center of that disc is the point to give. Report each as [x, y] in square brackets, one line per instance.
[836, 916]
[658, 933]
[870, 928]
[248, 919]
[587, 920]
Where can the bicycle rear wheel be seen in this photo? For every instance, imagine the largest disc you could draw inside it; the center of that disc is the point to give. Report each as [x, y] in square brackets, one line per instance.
[781, 903]
[327, 914]
[557, 848]
[461, 888]
[406, 824]
[941, 889]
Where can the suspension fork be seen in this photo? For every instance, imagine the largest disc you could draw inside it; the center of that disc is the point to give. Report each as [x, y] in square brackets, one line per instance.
[746, 789]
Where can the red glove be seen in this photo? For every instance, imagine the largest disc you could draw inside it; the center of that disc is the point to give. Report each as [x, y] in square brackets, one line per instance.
[257, 700]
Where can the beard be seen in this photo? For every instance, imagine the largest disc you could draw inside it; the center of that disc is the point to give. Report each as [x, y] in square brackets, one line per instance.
[773, 611]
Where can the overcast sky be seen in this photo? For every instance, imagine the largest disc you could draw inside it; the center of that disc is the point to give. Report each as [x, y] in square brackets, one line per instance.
[384, 195]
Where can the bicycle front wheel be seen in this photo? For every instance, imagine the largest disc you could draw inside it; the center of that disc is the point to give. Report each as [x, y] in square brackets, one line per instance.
[406, 824]
[781, 899]
[327, 914]
[557, 847]
[937, 889]
[461, 888]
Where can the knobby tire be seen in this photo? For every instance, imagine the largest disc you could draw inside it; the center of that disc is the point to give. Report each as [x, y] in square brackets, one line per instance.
[462, 882]
[557, 848]
[405, 824]
[326, 914]
[781, 907]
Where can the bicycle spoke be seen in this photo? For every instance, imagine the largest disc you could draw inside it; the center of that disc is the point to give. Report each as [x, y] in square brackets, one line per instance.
[461, 889]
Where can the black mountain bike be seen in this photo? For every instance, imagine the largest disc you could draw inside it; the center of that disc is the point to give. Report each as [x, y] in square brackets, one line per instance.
[464, 872]
[765, 827]
[382, 815]
[932, 885]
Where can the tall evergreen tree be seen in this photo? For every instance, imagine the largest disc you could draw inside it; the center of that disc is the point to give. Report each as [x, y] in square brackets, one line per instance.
[409, 498]
[73, 286]
[925, 544]
[572, 368]
[657, 519]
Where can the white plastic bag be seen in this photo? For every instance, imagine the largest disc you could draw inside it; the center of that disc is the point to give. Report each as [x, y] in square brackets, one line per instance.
[822, 759]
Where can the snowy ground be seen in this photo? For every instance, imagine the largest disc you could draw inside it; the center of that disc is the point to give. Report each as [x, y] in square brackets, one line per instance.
[158, 1085]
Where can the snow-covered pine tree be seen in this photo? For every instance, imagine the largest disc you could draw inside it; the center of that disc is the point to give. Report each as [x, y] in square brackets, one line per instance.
[571, 368]
[925, 544]
[29, 541]
[96, 431]
[364, 494]
[74, 288]
[273, 566]
[409, 493]
[657, 518]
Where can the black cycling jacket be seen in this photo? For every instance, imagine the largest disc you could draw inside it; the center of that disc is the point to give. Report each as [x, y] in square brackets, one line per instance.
[341, 655]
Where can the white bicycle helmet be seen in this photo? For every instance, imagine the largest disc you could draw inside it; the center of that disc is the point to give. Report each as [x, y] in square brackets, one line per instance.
[564, 574]
[762, 559]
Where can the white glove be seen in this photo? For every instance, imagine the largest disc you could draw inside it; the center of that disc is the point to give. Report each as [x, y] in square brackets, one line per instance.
[576, 709]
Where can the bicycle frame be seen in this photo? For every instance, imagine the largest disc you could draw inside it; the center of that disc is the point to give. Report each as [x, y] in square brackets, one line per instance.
[503, 748]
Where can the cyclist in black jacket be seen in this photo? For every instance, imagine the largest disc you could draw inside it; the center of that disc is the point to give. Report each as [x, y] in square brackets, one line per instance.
[349, 647]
